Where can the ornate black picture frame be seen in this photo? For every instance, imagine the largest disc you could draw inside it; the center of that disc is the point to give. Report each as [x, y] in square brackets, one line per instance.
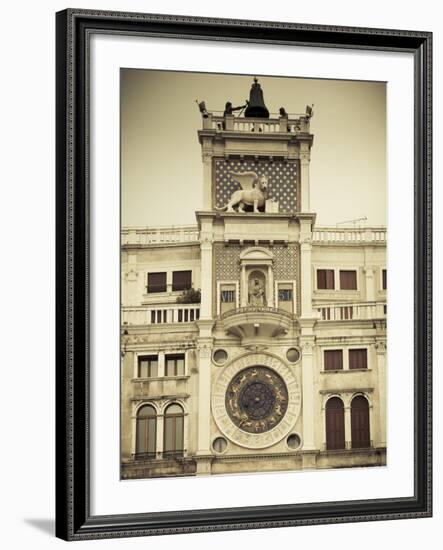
[74, 30]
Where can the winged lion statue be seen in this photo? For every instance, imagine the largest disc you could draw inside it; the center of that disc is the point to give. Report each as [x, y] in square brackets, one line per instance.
[253, 191]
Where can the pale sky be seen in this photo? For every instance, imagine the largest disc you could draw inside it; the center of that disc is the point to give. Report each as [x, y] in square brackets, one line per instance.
[161, 157]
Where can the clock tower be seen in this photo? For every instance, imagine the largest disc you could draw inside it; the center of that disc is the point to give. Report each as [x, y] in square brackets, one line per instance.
[255, 238]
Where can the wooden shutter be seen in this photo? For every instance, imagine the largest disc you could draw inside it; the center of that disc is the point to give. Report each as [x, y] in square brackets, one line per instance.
[325, 279]
[156, 282]
[360, 423]
[335, 424]
[175, 365]
[384, 279]
[173, 442]
[348, 280]
[181, 280]
[333, 359]
[146, 437]
[358, 359]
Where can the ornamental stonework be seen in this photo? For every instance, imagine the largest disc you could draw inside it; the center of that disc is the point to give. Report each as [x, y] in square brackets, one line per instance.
[226, 266]
[286, 261]
[227, 262]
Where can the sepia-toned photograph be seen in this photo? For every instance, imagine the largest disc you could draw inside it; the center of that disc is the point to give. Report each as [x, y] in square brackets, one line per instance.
[253, 274]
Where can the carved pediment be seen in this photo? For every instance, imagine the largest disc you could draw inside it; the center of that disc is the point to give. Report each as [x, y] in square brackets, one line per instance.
[256, 253]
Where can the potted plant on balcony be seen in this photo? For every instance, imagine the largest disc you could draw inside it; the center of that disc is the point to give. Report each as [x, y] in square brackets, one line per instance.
[190, 296]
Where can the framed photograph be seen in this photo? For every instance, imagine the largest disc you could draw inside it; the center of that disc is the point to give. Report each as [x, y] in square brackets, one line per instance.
[243, 274]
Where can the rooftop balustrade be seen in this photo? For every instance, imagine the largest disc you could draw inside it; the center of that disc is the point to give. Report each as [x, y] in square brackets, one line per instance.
[166, 235]
[292, 124]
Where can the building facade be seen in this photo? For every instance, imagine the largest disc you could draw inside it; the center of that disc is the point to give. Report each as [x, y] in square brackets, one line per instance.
[254, 340]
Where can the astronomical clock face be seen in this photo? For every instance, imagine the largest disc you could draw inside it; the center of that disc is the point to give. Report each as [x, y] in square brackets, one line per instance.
[256, 399]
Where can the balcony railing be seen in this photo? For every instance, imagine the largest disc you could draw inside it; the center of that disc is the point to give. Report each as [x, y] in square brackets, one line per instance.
[160, 235]
[141, 236]
[361, 235]
[165, 455]
[353, 311]
[154, 315]
[255, 310]
[293, 125]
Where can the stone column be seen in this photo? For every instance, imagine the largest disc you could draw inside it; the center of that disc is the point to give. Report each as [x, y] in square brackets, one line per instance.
[305, 267]
[308, 398]
[270, 289]
[206, 270]
[131, 295]
[207, 180]
[169, 281]
[370, 286]
[243, 288]
[348, 428]
[204, 351]
[304, 177]
[161, 364]
[133, 434]
[160, 434]
[381, 376]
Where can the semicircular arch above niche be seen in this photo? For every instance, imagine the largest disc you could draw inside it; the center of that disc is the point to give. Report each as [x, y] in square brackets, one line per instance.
[256, 253]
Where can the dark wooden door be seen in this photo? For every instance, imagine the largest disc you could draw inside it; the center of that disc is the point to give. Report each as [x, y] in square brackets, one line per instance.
[360, 423]
[335, 424]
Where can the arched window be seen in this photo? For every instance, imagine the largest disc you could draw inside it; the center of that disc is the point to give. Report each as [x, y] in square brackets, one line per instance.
[335, 424]
[173, 444]
[146, 431]
[360, 422]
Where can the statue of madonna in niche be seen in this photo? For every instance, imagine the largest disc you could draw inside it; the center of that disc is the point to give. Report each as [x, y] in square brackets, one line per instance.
[257, 289]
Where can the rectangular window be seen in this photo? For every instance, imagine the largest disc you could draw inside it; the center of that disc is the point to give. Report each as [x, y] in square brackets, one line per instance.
[156, 282]
[325, 279]
[358, 358]
[384, 279]
[175, 365]
[148, 366]
[348, 280]
[285, 295]
[227, 296]
[181, 280]
[333, 359]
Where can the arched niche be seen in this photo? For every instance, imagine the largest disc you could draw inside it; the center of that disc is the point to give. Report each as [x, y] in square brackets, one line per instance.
[257, 277]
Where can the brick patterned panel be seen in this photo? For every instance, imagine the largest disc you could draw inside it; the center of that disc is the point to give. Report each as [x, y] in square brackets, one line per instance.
[226, 267]
[282, 178]
[285, 261]
[287, 266]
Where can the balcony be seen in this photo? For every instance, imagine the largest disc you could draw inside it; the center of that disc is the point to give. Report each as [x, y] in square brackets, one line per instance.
[253, 323]
[295, 124]
[155, 315]
[168, 235]
[143, 388]
[349, 236]
[175, 235]
[352, 311]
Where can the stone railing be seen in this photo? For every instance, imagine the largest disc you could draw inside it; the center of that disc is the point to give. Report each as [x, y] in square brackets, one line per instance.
[160, 235]
[361, 235]
[189, 233]
[264, 125]
[255, 310]
[352, 311]
[154, 315]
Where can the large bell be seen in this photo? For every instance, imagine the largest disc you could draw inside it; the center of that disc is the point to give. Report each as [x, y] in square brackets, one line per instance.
[256, 107]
